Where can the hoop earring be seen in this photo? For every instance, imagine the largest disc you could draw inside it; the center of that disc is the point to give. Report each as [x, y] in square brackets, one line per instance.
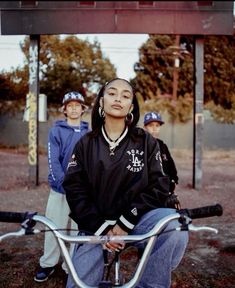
[129, 118]
[101, 112]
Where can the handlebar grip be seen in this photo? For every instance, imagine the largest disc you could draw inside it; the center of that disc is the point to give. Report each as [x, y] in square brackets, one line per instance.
[13, 217]
[203, 212]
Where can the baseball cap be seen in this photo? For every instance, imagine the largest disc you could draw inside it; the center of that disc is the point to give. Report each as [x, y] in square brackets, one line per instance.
[73, 96]
[153, 117]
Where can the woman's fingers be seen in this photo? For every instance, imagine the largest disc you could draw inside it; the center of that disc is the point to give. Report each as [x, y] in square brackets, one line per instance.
[114, 246]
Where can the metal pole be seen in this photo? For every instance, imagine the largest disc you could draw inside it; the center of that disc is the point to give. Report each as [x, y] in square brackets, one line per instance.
[198, 112]
[175, 82]
[176, 67]
[33, 109]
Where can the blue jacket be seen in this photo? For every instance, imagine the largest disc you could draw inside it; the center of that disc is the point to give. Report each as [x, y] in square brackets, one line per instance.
[61, 141]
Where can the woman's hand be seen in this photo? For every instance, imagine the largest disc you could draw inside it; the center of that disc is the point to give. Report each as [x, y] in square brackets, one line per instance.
[116, 246]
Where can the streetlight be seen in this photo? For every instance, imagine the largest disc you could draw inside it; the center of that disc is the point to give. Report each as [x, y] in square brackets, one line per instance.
[176, 69]
[138, 67]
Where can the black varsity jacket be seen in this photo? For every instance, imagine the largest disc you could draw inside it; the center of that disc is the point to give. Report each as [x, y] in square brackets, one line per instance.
[103, 190]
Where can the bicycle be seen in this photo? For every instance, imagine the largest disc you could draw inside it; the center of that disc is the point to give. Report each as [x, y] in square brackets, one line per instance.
[28, 221]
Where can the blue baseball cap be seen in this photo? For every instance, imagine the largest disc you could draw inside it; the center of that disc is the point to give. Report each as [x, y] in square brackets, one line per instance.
[152, 117]
[73, 96]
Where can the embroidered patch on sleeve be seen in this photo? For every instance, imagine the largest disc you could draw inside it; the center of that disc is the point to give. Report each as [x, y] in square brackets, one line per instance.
[72, 162]
[134, 211]
[159, 158]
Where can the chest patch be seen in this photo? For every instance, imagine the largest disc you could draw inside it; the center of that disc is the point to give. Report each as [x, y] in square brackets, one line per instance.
[136, 163]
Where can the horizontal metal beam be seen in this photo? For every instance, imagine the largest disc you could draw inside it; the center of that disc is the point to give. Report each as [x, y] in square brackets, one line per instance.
[171, 19]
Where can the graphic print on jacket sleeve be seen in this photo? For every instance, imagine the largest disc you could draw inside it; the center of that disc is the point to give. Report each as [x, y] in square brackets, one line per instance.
[72, 162]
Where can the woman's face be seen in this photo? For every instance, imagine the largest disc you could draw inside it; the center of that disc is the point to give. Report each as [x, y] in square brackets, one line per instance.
[117, 99]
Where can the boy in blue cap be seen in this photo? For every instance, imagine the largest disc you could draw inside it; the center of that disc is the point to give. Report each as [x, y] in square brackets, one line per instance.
[152, 123]
[61, 140]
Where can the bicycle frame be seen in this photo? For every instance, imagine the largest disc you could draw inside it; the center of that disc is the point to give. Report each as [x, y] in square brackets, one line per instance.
[150, 237]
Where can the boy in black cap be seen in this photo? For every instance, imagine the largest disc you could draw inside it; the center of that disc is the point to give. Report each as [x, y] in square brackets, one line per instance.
[152, 123]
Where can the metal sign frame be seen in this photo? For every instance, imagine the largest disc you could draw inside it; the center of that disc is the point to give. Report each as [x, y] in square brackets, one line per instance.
[196, 18]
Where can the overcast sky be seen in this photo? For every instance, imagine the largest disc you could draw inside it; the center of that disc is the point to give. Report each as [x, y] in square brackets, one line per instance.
[121, 49]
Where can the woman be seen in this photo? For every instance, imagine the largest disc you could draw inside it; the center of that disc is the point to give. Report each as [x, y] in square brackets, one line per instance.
[115, 185]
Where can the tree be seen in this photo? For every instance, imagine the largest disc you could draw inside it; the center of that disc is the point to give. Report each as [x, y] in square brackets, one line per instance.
[220, 70]
[70, 64]
[65, 64]
[156, 66]
[13, 89]
[157, 58]
[5, 87]
[154, 82]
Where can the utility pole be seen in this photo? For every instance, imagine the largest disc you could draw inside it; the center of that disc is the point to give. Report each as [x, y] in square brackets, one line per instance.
[198, 122]
[176, 68]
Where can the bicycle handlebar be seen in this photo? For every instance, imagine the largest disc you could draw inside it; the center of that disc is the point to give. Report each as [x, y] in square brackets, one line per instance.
[201, 212]
[29, 219]
[13, 217]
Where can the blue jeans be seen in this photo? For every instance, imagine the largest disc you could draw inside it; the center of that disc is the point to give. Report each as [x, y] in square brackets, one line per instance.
[165, 257]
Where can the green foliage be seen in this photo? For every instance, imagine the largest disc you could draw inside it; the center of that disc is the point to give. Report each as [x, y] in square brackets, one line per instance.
[155, 79]
[14, 85]
[5, 87]
[13, 88]
[70, 63]
[157, 59]
[66, 64]
[220, 114]
[220, 70]
[179, 111]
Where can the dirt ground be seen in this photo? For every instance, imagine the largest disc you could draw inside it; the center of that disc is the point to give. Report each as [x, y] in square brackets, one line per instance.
[208, 261]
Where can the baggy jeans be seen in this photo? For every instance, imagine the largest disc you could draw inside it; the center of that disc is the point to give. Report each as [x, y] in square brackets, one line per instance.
[165, 257]
[57, 210]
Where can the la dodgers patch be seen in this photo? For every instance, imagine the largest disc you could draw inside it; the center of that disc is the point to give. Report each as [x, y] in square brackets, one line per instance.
[136, 160]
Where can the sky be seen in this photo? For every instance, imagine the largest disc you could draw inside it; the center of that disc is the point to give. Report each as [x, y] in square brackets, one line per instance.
[121, 49]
